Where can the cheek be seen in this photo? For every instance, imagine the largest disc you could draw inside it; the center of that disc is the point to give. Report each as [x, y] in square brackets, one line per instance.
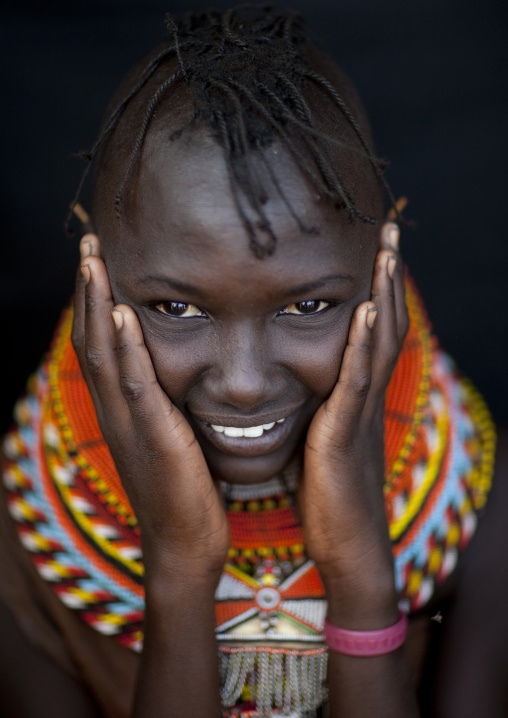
[316, 363]
[177, 365]
[309, 360]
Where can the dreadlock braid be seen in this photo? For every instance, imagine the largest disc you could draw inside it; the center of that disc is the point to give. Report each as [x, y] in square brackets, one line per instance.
[247, 71]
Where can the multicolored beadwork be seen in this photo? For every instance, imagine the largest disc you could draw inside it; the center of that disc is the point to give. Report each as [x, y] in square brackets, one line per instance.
[74, 518]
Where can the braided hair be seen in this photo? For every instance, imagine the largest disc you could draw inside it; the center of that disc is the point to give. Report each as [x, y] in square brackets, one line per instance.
[248, 71]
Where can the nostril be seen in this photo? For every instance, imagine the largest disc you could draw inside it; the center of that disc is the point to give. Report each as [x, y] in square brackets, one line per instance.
[243, 373]
[244, 388]
[241, 386]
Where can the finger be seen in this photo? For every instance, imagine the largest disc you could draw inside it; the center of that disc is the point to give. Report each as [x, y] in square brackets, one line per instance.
[89, 245]
[390, 235]
[100, 361]
[401, 309]
[152, 412]
[386, 343]
[345, 405]
[389, 238]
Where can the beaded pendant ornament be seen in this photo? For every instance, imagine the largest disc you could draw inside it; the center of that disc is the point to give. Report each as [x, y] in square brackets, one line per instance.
[74, 518]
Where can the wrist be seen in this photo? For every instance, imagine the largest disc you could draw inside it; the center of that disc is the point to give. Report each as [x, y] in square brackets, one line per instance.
[176, 604]
[170, 577]
[165, 562]
[365, 604]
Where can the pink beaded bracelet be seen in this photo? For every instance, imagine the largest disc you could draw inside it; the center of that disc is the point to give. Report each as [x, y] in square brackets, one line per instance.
[366, 643]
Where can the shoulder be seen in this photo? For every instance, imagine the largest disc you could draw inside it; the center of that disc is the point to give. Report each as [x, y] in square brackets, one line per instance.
[488, 551]
[470, 646]
[37, 672]
[33, 684]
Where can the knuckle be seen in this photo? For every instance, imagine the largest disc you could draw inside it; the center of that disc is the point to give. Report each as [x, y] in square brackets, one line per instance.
[392, 353]
[364, 347]
[122, 350]
[340, 435]
[127, 348]
[360, 385]
[90, 302]
[345, 445]
[95, 361]
[390, 293]
[132, 389]
[178, 436]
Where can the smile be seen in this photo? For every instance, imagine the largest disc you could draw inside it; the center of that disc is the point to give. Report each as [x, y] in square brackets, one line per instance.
[247, 440]
[249, 432]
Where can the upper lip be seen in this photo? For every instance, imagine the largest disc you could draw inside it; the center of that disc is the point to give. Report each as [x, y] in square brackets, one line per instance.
[245, 422]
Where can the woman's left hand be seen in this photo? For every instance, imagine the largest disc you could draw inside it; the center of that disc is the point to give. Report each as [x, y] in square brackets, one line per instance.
[341, 493]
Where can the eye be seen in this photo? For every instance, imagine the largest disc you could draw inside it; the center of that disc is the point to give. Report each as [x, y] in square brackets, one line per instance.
[312, 306]
[179, 309]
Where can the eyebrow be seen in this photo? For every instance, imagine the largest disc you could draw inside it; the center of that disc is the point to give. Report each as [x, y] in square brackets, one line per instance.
[298, 289]
[175, 283]
[310, 286]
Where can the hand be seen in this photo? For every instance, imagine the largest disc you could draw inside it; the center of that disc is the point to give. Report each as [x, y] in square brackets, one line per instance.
[342, 502]
[158, 458]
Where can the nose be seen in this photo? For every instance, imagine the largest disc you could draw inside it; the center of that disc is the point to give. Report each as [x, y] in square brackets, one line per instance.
[243, 373]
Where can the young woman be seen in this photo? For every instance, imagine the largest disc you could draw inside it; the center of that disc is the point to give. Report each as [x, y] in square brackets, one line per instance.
[253, 461]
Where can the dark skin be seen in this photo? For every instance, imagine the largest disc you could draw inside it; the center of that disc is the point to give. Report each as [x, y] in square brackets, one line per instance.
[244, 353]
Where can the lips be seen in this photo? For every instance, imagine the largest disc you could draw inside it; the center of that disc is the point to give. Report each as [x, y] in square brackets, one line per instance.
[253, 440]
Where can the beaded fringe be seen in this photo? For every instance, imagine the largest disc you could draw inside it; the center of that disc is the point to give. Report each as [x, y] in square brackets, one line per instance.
[291, 681]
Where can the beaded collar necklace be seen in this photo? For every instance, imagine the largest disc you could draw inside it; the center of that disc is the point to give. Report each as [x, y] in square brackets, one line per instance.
[75, 520]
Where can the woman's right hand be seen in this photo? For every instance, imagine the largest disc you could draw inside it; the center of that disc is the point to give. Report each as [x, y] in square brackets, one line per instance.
[159, 461]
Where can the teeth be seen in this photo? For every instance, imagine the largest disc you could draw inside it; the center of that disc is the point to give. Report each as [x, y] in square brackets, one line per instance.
[233, 431]
[251, 432]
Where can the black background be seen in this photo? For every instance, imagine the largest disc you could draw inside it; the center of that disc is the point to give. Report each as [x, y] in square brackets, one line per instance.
[432, 75]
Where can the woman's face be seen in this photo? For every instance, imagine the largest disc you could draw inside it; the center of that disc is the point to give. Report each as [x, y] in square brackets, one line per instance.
[246, 348]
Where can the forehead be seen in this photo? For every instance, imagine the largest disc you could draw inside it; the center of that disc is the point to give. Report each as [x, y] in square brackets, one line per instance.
[181, 209]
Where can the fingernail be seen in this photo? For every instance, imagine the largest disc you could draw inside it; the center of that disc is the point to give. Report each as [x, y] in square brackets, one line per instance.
[390, 266]
[117, 318]
[371, 316]
[85, 271]
[393, 237]
[85, 248]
